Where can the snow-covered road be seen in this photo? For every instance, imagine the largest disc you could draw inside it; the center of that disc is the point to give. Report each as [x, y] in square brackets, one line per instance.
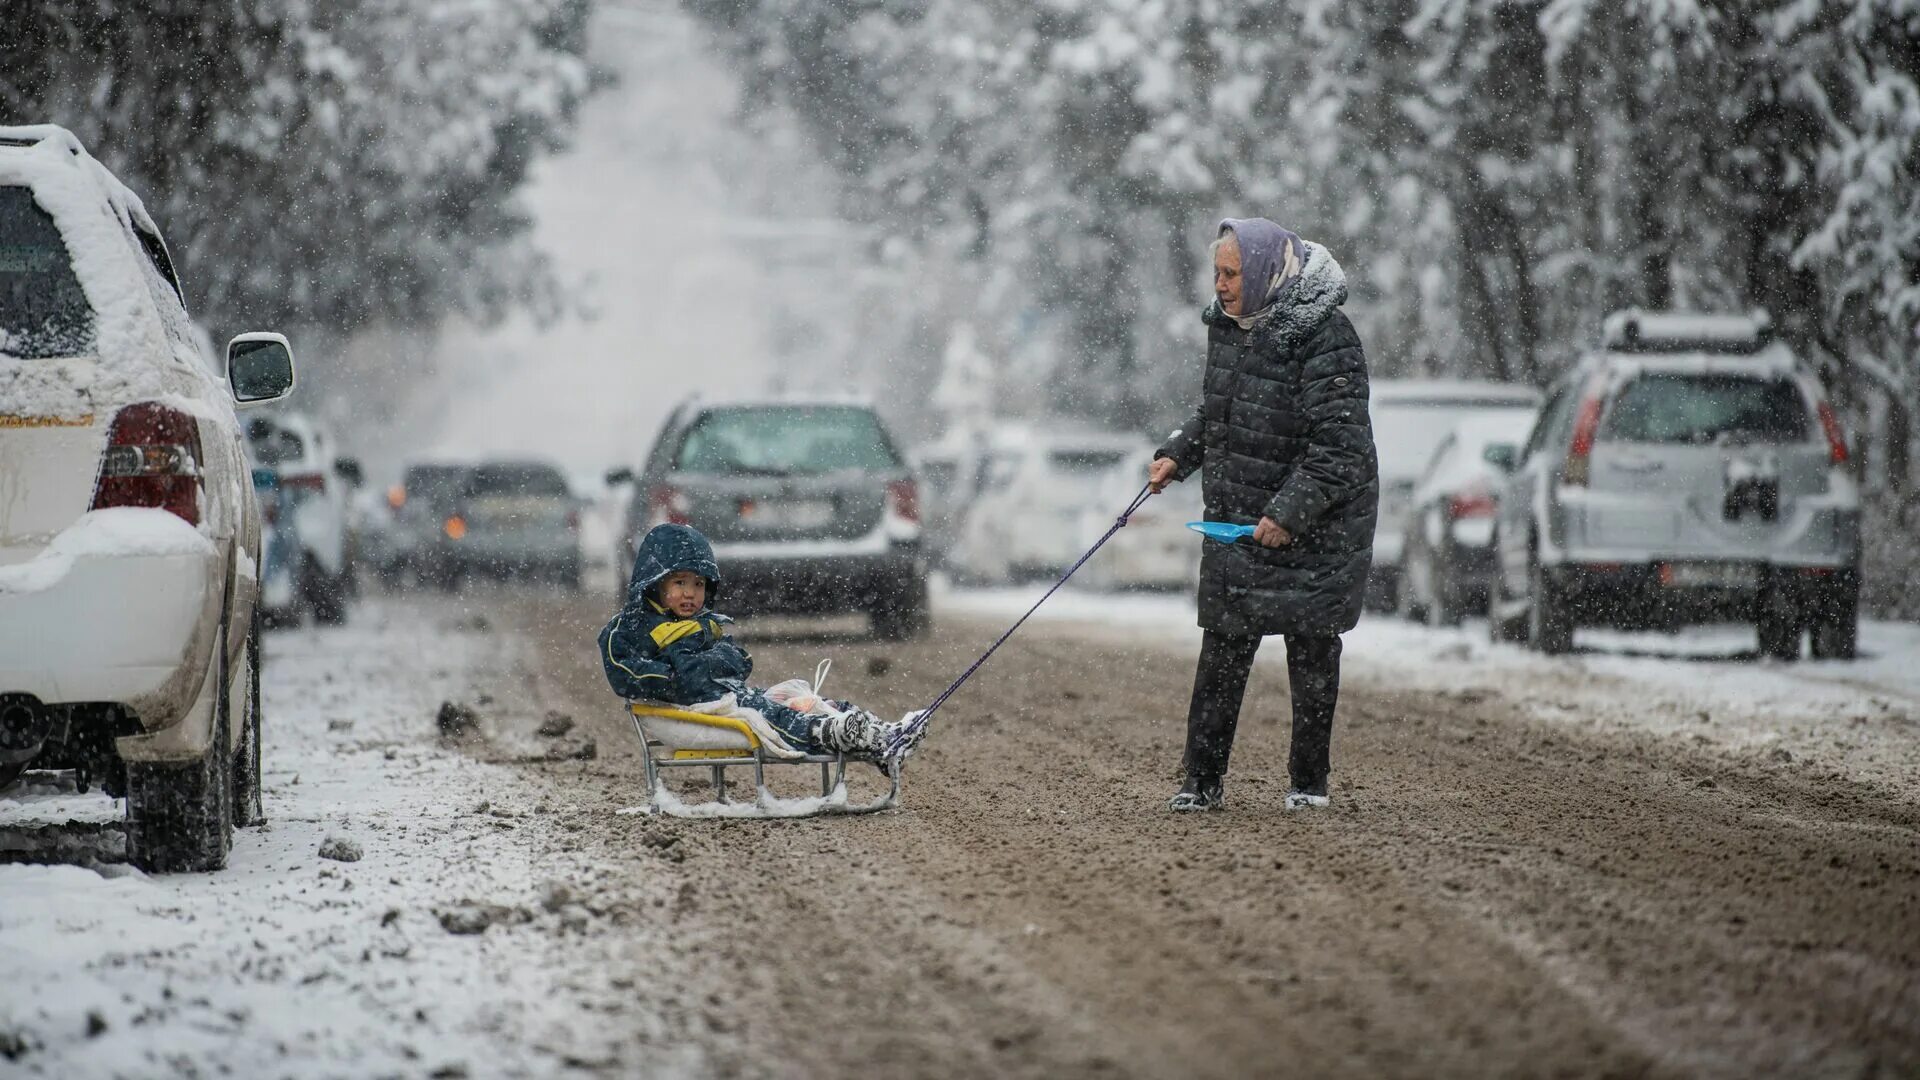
[503, 919]
[290, 964]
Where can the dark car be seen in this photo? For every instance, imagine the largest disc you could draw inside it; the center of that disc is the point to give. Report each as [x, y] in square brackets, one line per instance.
[516, 519]
[423, 512]
[809, 505]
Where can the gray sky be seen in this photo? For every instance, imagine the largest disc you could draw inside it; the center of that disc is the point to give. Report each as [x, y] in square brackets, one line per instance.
[693, 242]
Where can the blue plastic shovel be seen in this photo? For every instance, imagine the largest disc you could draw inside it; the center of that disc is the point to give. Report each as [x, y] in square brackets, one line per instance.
[1220, 530]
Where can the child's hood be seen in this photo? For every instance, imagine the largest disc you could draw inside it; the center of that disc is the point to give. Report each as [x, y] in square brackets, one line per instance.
[666, 549]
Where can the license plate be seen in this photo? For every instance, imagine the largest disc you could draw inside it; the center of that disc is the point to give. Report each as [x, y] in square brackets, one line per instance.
[1717, 575]
[788, 514]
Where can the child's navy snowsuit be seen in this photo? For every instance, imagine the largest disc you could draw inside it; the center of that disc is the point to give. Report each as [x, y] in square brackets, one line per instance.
[652, 654]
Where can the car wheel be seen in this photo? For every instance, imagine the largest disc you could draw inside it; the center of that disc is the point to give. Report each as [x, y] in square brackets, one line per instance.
[180, 817]
[1443, 605]
[1779, 633]
[248, 801]
[903, 620]
[1415, 579]
[1836, 629]
[1549, 623]
[324, 596]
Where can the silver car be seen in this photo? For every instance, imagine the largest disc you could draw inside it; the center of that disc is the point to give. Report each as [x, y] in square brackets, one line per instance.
[1690, 471]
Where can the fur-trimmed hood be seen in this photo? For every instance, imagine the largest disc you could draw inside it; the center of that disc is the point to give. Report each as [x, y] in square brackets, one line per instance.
[1320, 290]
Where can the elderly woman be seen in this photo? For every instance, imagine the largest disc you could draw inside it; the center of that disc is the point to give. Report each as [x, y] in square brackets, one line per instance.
[1283, 436]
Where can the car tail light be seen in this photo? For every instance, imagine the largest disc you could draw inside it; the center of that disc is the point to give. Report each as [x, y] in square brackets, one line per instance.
[1586, 428]
[152, 460]
[904, 497]
[455, 528]
[1836, 439]
[396, 497]
[1474, 503]
[315, 482]
[668, 505]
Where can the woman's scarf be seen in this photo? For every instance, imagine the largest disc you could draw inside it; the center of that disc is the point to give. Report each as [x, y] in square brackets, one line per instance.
[1271, 259]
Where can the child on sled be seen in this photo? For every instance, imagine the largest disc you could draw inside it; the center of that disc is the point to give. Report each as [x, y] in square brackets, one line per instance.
[667, 644]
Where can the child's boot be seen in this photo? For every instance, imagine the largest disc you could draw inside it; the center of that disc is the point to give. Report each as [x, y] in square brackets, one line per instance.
[859, 733]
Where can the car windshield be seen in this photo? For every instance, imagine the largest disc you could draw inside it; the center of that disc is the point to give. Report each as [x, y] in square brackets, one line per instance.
[538, 480]
[1704, 409]
[1406, 433]
[786, 440]
[43, 312]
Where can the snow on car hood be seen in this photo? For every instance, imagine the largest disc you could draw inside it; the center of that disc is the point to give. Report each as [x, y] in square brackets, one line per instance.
[120, 532]
[134, 358]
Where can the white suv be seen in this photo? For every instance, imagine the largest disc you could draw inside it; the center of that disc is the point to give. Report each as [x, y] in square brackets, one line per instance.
[1691, 470]
[129, 538]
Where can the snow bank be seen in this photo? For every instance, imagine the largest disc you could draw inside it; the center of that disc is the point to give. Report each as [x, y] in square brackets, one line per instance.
[121, 532]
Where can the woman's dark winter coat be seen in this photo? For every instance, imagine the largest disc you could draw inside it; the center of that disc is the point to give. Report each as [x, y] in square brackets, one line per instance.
[1282, 432]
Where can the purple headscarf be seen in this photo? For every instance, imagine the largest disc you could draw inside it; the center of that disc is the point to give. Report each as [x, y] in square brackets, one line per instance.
[1271, 259]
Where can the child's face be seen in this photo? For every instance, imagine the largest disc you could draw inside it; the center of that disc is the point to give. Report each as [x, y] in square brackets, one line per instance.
[683, 593]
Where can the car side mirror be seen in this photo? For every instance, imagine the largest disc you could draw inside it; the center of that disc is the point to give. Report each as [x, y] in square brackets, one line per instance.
[616, 477]
[259, 368]
[349, 470]
[1502, 456]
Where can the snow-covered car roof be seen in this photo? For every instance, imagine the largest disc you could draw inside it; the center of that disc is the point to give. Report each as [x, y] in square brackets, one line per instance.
[1636, 331]
[774, 401]
[1482, 393]
[74, 189]
[1776, 360]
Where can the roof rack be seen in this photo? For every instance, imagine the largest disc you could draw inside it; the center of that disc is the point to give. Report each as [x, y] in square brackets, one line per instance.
[1637, 331]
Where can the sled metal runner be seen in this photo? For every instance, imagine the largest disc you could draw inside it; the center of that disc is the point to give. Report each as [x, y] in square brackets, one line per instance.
[718, 742]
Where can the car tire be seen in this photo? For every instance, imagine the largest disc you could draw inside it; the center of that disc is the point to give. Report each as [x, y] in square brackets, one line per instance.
[1549, 623]
[323, 595]
[1836, 629]
[1443, 609]
[1779, 634]
[905, 620]
[249, 806]
[1409, 603]
[180, 817]
[1836, 640]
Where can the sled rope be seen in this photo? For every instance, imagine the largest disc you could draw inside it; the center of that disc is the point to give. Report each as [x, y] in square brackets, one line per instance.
[919, 724]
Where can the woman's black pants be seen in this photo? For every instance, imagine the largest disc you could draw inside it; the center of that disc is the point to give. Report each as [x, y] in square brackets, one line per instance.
[1313, 673]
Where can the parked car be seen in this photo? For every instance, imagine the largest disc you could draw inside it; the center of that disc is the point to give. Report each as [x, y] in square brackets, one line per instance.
[420, 547]
[1447, 550]
[809, 505]
[514, 519]
[308, 570]
[1155, 550]
[1026, 519]
[1409, 420]
[1690, 470]
[129, 537]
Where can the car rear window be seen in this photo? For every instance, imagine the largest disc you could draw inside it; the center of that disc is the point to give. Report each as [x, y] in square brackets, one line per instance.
[517, 480]
[1085, 462]
[786, 440]
[1704, 409]
[43, 312]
